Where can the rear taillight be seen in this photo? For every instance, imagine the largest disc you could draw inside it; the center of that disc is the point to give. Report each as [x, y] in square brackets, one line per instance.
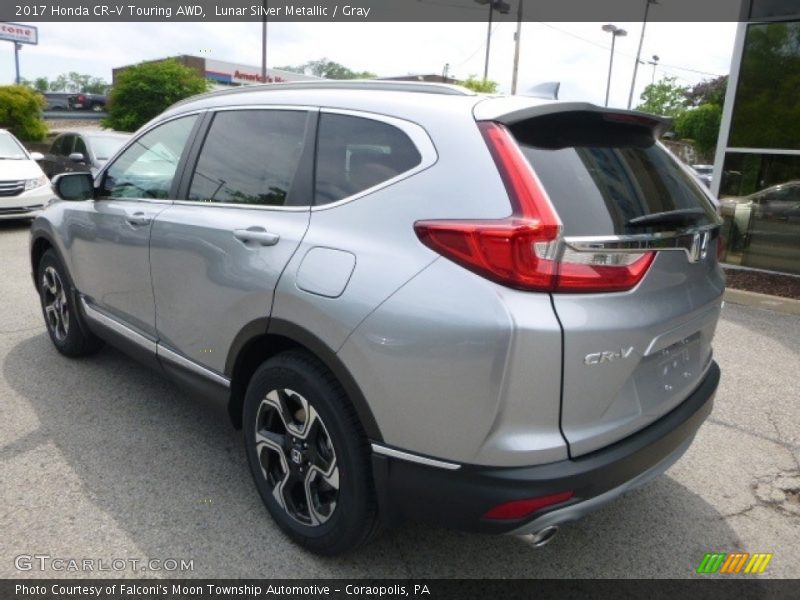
[524, 251]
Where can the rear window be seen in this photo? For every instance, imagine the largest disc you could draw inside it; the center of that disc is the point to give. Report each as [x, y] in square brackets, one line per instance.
[355, 154]
[600, 177]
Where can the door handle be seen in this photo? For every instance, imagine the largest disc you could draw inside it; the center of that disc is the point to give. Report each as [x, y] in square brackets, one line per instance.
[256, 234]
[138, 218]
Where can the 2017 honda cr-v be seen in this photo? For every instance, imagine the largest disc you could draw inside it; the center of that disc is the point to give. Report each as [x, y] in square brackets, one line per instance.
[494, 313]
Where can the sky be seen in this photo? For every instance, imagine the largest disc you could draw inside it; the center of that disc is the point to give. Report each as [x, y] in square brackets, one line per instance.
[576, 54]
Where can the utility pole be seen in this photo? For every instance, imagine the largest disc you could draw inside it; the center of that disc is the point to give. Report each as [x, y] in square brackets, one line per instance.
[503, 8]
[17, 48]
[264, 42]
[488, 42]
[647, 4]
[517, 37]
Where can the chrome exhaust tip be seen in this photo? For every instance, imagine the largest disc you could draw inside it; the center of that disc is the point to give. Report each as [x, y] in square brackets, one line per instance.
[543, 536]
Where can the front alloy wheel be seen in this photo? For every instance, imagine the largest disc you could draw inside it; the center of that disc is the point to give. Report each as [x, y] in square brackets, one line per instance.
[296, 457]
[68, 332]
[54, 300]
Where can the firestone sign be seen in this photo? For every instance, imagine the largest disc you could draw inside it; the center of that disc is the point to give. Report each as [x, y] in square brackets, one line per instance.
[16, 32]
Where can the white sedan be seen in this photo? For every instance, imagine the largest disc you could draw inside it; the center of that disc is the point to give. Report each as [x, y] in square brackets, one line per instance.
[24, 188]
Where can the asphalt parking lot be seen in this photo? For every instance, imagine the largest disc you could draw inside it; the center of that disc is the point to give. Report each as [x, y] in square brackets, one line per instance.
[102, 459]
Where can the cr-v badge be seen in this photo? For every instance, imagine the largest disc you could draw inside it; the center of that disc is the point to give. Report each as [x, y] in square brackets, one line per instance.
[596, 358]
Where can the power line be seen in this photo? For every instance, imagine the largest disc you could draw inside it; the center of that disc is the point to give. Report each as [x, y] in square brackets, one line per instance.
[604, 47]
[478, 49]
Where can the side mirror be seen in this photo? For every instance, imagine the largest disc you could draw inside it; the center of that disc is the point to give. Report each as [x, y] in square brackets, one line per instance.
[37, 156]
[74, 186]
[77, 157]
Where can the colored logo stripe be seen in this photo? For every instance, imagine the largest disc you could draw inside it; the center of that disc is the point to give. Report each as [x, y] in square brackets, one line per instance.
[723, 562]
[758, 563]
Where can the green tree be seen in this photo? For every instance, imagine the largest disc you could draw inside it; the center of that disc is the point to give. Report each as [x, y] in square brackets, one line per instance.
[60, 83]
[664, 98]
[328, 69]
[293, 69]
[21, 112]
[72, 82]
[708, 91]
[144, 91]
[333, 70]
[41, 84]
[479, 85]
[701, 125]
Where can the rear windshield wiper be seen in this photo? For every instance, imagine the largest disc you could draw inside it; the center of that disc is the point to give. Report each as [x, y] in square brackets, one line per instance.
[680, 216]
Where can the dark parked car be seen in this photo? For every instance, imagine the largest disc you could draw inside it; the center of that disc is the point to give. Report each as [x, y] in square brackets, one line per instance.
[95, 102]
[57, 100]
[77, 151]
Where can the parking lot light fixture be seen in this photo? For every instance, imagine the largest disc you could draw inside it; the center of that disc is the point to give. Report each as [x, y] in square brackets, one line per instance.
[615, 32]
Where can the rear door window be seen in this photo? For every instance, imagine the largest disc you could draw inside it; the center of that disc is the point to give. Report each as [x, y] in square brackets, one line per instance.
[250, 157]
[356, 153]
[601, 177]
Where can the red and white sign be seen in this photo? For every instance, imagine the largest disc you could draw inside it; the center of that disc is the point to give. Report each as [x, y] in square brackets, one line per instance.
[17, 32]
[246, 77]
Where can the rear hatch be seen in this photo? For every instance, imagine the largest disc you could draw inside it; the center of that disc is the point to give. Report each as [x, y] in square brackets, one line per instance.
[637, 345]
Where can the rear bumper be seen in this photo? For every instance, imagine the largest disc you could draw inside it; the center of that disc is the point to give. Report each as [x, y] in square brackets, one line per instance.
[459, 498]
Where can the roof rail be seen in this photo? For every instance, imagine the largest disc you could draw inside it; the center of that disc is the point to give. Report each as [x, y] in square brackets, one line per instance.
[352, 84]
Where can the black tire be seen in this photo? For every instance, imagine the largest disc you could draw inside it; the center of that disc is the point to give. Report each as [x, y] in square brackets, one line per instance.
[67, 331]
[354, 519]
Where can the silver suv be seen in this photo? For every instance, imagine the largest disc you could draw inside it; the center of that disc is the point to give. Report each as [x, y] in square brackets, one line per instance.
[494, 313]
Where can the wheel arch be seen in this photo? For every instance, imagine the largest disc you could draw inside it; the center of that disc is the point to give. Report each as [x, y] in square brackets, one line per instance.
[40, 244]
[264, 338]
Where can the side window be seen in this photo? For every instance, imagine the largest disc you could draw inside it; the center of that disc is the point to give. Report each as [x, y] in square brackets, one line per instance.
[355, 154]
[80, 146]
[65, 145]
[57, 145]
[250, 157]
[147, 167]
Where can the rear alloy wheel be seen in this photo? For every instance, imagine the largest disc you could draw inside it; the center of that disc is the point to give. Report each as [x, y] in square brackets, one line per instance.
[308, 454]
[297, 457]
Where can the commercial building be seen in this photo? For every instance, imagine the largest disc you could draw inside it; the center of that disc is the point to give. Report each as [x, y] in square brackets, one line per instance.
[224, 74]
[757, 164]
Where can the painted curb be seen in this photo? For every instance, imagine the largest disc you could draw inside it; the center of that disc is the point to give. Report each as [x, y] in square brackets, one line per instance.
[783, 305]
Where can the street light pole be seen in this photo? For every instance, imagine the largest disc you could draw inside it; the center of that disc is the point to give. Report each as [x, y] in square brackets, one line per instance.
[653, 62]
[647, 4]
[517, 37]
[614, 31]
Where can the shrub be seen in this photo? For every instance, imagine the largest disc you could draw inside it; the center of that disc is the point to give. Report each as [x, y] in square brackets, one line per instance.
[479, 85]
[144, 91]
[21, 112]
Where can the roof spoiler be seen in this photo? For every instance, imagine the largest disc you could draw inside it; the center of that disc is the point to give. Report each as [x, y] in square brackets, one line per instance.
[515, 109]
